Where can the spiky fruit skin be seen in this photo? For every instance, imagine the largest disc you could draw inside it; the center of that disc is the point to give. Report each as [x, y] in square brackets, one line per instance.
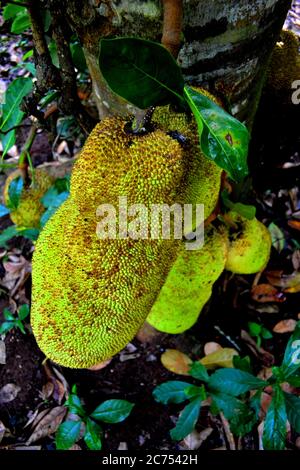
[188, 285]
[284, 67]
[250, 246]
[203, 177]
[91, 296]
[30, 208]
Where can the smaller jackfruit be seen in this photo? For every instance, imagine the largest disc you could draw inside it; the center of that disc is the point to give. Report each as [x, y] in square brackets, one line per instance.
[30, 208]
[284, 67]
[188, 285]
[250, 245]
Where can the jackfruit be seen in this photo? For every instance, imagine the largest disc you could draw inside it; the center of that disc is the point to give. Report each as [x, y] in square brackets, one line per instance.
[284, 67]
[91, 296]
[188, 285]
[250, 245]
[30, 208]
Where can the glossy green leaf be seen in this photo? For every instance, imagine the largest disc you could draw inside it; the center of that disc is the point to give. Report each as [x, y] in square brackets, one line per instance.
[23, 311]
[78, 57]
[112, 411]
[67, 434]
[10, 11]
[7, 234]
[74, 404]
[292, 404]
[19, 324]
[3, 210]
[229, 405]
[5, 327]
[172, 391]
[198, 371]
[223, 138]
[8, 315]
[20, 23]
[277, 235]
[194, 391]
[234, 381]
[14, 193]
[92, 435]
[11, 113]
[274, 434]
[245, 210]
[187, 420]
[242, 363]
[291, 360]
[142, 72]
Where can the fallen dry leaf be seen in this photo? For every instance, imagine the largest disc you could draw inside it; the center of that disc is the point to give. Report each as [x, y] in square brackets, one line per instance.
[47, 391]
[266, 357]
[176, 361]
[211, 347]
[285, 326]
[266, 293]
[221, 358]
[8, 393]
[296, 260]
[48, 424]
[195, 439]
[295, 224]
[2, 353]
[61, 386]
[284, 281]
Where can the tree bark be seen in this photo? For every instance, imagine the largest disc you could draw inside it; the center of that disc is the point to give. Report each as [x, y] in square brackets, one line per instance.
[226, 44]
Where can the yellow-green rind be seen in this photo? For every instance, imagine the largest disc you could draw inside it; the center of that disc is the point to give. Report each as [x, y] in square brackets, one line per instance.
[250, 246]
[30, 208]
[188, 285]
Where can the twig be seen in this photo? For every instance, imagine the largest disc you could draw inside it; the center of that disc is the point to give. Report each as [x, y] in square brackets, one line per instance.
[172, 24]
[228, 433]
[14, 127]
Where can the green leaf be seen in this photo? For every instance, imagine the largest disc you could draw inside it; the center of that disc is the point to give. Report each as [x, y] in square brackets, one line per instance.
[142, 72]
[266, 334]
[198, 371]
[243, 422]
[242, 363]
[8, 315]
[48, 98]
[30, 233]
[78, 57]
[187, 420]
[23, 311]
[277, 235]
[172, 391]
[230, 405]
[67, 434]
[20, 23]
[3, 210]
[254, 328]
[19, 324]
[10, 11]
[112, 411]
[11, 113]
[294, 379]
[5, 327]
[234, 381]
[193, 391]
[255, 401]
[245, 210]
[53, 199]
[74, 404]
[7, 234]
[92, 435]
[292, 404]
[14, 192]
[291, 360]
[223, 138]
[274, 434]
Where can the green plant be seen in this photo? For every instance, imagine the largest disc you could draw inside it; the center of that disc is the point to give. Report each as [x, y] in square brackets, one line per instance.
[14, 321]
[87, 425]
[229, 390]
[259, 332]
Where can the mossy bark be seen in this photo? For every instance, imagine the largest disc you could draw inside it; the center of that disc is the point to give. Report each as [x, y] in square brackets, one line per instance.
[226, 44]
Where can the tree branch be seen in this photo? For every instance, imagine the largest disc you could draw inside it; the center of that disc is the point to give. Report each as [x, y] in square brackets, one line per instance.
[172, 25]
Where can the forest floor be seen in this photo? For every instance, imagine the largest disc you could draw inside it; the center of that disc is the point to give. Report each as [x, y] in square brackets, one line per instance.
[38, 387]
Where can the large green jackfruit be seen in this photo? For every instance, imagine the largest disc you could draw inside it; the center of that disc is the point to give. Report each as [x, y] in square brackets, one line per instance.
[30, 208]
[91, 296]
[249, 247]
[188, 285]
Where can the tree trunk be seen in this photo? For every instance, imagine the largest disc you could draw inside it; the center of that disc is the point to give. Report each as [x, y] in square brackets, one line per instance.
[226, 44]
